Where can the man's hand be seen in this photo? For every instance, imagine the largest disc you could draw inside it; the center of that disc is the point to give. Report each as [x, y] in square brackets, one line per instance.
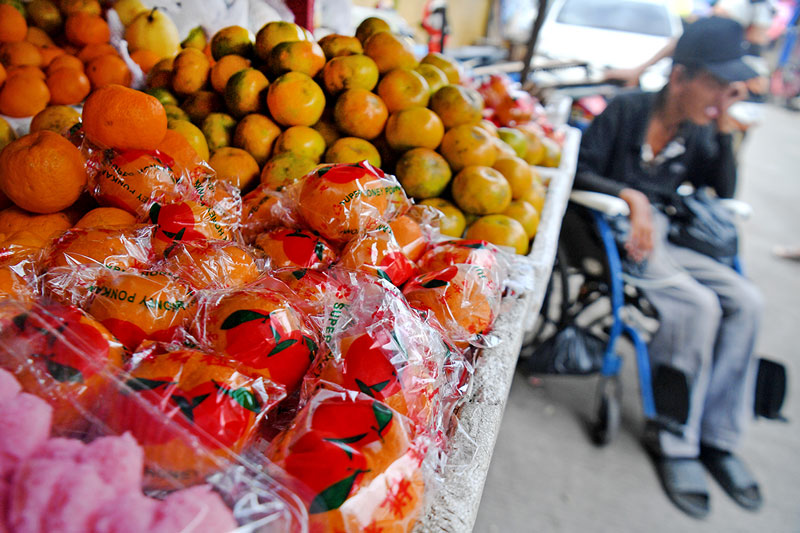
[640, 241]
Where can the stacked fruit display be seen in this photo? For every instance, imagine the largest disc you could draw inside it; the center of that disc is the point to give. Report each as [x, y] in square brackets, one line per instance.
[324, 324]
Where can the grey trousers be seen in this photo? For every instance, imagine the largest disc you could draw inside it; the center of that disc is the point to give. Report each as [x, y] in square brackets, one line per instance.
[709, 316]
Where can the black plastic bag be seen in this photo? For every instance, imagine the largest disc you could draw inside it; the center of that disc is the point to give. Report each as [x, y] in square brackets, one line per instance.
[770, 389]
[703, 224]
[572, 350]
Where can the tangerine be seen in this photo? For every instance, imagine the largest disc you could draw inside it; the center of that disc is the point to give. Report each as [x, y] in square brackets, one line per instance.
[23, 95]
[274, 33]
[449, 66]
[452, 223]
[433, 75]
[294, 99]
[390, 51]
[68, 86]
[212, 264]
[335, 45]
[104, 217]
[457, 105]
[218, 130]
[369, 26]
[481, 190]
[352, 150]
[19, 54]
[129, 179]
[423, 173]
[525, 214]
[117, 248]
[519, 174]
[14, 219]
[244, 92]
[414, 127]
[301, 140]
[13, 27]
[198, 106]
[360, 113]
[355, 71]
[189, 71]
[285, 247]
[379, 254]
[409, 236]
[108, 69]
[84, 28]
[468, 145]
[298, 56]
[118, 117]
[231, 40]
[284, 169]
[501, 230]
[256, 134]
[146, 59]
[226, 67]
[56, 118]
[402, 88]
[235, 166]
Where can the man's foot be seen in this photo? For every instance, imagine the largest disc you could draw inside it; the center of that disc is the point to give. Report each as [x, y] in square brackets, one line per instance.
[787, 252]
[733, 476]
[684, 481]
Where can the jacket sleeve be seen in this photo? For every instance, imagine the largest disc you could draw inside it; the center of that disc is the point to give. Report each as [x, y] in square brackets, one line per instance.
[716, 165]
[597, 149]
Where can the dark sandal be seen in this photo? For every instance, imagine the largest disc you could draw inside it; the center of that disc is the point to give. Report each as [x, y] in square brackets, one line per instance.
[734, 477]
[684, 481]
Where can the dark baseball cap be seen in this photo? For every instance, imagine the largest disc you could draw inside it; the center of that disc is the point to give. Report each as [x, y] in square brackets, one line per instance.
[717, 45]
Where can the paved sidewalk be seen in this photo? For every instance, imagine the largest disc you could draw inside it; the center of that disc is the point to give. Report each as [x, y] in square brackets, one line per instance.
[546, 476]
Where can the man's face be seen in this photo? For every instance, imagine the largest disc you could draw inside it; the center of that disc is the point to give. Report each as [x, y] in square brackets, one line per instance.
[702, 97]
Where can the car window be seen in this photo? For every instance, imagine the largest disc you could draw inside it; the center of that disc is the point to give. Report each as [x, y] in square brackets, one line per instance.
[636, 17]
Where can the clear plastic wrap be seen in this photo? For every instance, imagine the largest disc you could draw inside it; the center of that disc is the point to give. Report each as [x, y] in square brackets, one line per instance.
[264, 209]
[378, 253]
[295, 248]
[212, 264]
[113, 248]
[340, 201]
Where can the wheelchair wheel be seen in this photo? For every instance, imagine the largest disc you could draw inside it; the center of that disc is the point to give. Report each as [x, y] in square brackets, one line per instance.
[608, 416]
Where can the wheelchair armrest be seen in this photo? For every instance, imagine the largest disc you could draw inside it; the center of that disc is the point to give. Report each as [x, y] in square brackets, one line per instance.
[741, 210]
[605, 203]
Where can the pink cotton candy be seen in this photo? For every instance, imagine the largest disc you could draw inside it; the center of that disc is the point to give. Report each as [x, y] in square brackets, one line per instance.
[33, 484]
[193, 510]
[77, 495]
[9, 387]
[25, 420]
[127, 513]
[118, 460]
[60, 449]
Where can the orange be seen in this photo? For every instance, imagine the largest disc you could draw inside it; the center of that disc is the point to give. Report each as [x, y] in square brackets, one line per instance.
[161, 74]
[352, 150]
[218, 130]
[84, 28]
[189, 221]
[262, 209]
[449, 66]
[23, 96]
[107, 70]
[518, 173]
[301, 140]
[535, 151]
[45, 15]
[284, 169]
[212, 264]
[274, 33]
[355, 71]
[457, 105]
[231, 40]
[70, 7]
[433, 75]
[117, 248]
[38, 37]
[414, 127]
[294, 99]
[535, 196]
[452, 223]
[369, 26]
[256, 135]
[340, 200]
[138, 306]
[295, 248]
[360, 113]
[298, 56]
[131, 178]
[552, 154]
[335, 45]
[13, 27]
[175, 113]
[226, 67]
[62, 61]
[21, 244]
[146, 59]
[379, 254]
[525, 214]
[458, 296]
[461, 251]
[235, 166]
[26, 70]
[481, 190]
[7, 134]
[390, 51]
[68, 86]
[244, 92]
[119, 117]
[408, 234]
[177, 147]
[20, 53]
[42, 172]
[189, 71]
[69, 358]
[423, 173]
[193, 136]
[14, 219]
[57, 118]
[514, 138]
[402, 88]
[328, 130]
[468, 145]
[3, 74]
[501, 230]
[201, 104]
[105, 217]
[14, 287]
[90, 51]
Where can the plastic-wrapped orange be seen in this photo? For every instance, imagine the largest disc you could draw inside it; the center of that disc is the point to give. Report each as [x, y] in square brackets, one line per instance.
[461, 251]
[340, 201]
[64, 356]
[116, 248]
[378, 253]
[296, 248]
[212, 264]
[187, 221]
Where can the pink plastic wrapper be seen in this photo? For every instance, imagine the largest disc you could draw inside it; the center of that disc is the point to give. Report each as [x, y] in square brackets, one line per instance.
[63, 355]
[340, 201]
[295, 248]
[260, 329]
[373, 476]
[212, 264]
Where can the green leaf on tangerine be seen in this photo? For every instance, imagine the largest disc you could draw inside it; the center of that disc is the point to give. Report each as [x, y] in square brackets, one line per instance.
[435, 283]
[383, 275]
[175, 236]
[399, 344]
[184, 405]
[140, 384]
[347, 440]
[474, 245]
[322, 171]
[298, 234]
[383, 414]
[281, 346]
[299, 274]
[20, 320]
[64, 373]
[246, 399]
[310, 344]
[372, 389]
[154, 211]
[240, 317]
[334, 496]
[319, 249]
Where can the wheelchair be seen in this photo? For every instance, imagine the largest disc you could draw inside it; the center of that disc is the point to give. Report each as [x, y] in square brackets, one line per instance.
[587, 292]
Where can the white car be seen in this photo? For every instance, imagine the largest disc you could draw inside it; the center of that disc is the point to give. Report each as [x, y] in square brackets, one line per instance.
[605, 34]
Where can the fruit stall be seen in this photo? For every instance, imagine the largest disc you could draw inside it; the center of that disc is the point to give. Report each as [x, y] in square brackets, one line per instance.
[277, 282]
